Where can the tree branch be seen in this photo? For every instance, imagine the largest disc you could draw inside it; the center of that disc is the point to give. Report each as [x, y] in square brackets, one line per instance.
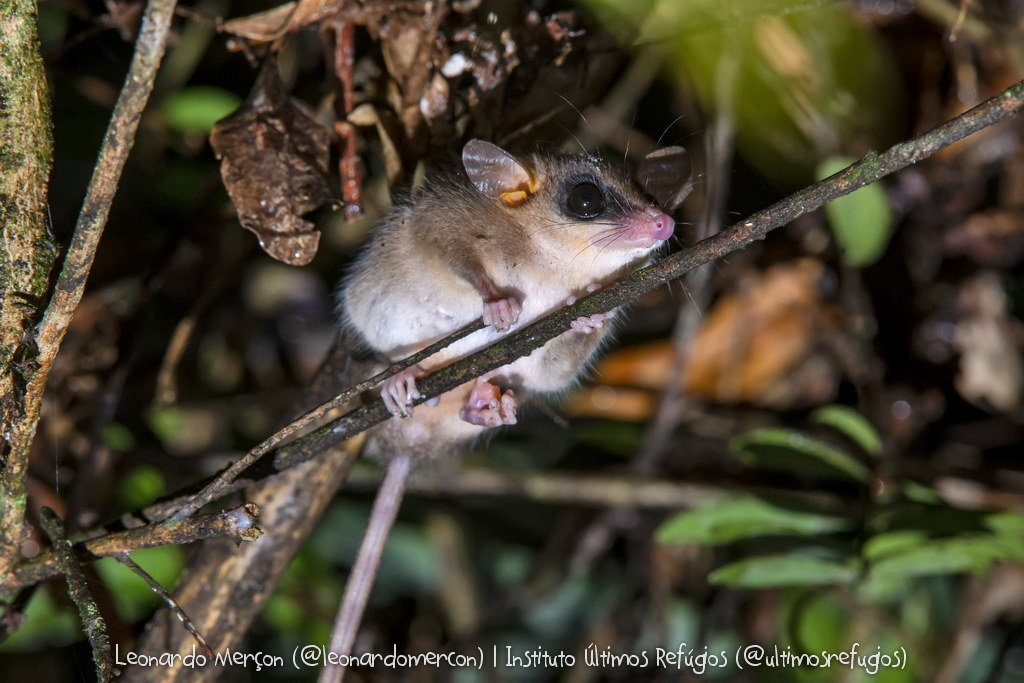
[239, 523]
[26, 256]
[117, 143]
[186, 621]
[221, 484]
[78, 588]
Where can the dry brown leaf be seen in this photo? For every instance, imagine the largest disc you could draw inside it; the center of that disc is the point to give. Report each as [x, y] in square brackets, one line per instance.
[641, 365]
[993, 238]
[614, 403]
[274, 165]
[755, 345]
[753, 339]
[264, 27]
[991, 370]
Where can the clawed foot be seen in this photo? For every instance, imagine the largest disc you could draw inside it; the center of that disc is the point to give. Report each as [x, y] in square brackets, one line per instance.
[488, 406]
[400, 391]
[502, 313]
[587, 324]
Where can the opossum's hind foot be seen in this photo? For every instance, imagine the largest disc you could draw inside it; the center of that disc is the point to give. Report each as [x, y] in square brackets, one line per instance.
[488, 406]
[400, 391]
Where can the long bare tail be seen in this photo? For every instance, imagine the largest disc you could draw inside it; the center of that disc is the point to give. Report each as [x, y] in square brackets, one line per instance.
[364, 571]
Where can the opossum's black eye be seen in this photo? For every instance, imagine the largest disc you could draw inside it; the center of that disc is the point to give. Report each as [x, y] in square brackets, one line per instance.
[585, 200]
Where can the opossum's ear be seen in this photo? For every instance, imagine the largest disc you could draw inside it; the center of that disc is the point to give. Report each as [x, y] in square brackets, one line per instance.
[667, 176]
[496, 173]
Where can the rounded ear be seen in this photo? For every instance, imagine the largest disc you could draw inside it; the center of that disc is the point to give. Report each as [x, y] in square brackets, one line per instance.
[494, 171]
[667, 175]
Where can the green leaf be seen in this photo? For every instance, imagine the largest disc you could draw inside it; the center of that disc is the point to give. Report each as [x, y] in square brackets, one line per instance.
[938, 557]
[891, 542]
[790, 451]
[818, 622]
[861, 221]
[920, 493]
[731, 520]
[1006, 524]
[774, 571]
[852, 424]
[140, 486]
[118, 437]
[196, 109]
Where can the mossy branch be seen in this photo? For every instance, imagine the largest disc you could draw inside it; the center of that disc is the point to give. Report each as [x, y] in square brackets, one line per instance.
[20, 425]
[78, 589]
[239, 523]
[26, 256]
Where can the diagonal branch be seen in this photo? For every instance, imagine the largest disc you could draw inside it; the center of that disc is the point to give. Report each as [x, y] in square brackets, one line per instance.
[239, 523]
[866, 171]
[186, 621]
[221, 484]
[117, 143]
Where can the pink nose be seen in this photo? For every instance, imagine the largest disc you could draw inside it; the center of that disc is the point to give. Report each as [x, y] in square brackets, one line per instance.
[662, 226]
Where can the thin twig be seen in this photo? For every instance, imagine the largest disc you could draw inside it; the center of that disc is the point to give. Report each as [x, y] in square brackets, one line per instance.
[240, 523]
[78, 589]
[117, 143]
[127, 561]
[559, 488]
[599, 535]
[348, 165]
[223, 481]
[166, 392]
[719, 146]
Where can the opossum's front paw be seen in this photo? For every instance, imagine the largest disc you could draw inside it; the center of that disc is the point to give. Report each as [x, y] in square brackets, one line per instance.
[400, 391]
[488, 406]
[589, 323]
[502, 313]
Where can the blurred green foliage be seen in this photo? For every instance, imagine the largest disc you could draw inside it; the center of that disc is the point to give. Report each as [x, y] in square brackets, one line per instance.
[733, 519]
[907, 535]
[852, 424]
[195, 109]
[774, 571]
[46, 625]
[802, 80]
[140, 486]
[799, 454]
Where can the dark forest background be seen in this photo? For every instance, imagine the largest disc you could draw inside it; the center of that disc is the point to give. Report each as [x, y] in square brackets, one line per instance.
[828, 423]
